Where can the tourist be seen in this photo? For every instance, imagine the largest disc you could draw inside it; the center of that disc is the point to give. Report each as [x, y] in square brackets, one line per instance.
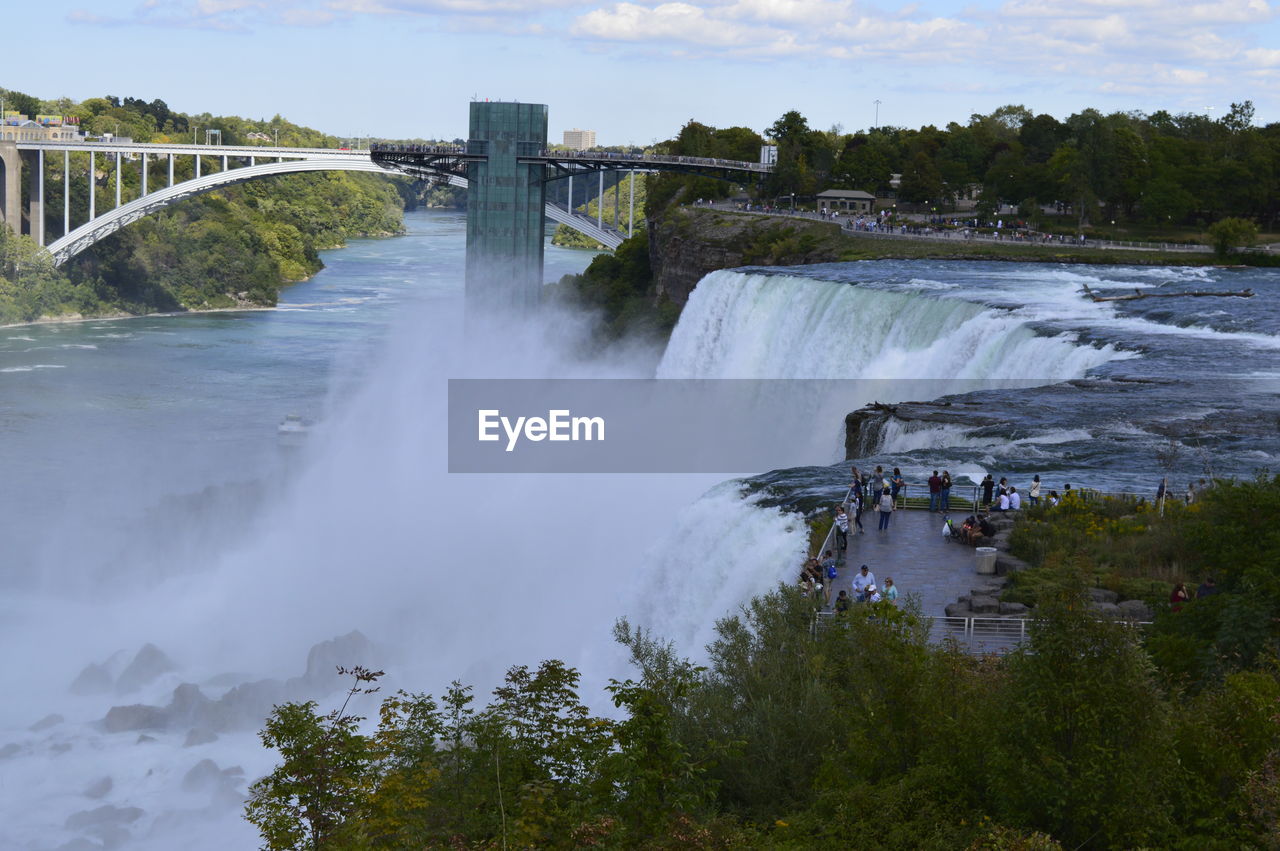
[829, 576]
[935, 491]
[873, 596]
[885, 508]
[1191, 493]
[842, 530]
[878, 480]
[897, 484]
[1015, 499]
[857, 513]
[1004, 485]
[890, 591]
[1178, 597]
[1054, 499]
[1035, 490]
[988, 485]
[946, 491]
[986, 527]
[1003, 502]
[842, 602]
[1207, 588]
[861, 580]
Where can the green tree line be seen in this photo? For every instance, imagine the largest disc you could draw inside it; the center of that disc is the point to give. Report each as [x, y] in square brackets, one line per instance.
[865, 733]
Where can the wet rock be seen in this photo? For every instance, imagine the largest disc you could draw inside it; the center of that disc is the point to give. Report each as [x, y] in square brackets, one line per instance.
[346, 651]
[984, 605]
[1012, 608]
[103, 817]
[1102, 595]
[203, 776]
[144, 739]
[94, 679]
[137, 716]
[199, 736]
[53, 719]
[247, 705]
[957, 610]
[1136, 610]
[99, 788]
[189, 707]
[147, 665]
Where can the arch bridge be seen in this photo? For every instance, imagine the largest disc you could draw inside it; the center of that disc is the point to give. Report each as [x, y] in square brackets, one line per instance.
[505, 166]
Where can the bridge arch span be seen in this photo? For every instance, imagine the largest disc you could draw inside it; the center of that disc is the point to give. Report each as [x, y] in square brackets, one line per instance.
[99, 228]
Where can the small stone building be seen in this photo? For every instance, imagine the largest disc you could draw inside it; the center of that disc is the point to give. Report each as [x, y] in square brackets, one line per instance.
[846, 200]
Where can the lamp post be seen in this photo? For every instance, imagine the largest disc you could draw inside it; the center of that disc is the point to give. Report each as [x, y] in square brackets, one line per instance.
[793, 203]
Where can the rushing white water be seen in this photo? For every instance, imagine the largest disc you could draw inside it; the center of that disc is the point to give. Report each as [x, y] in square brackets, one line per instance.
[740, 325]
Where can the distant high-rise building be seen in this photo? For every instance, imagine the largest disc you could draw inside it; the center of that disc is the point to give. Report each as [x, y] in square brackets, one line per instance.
[579, 140]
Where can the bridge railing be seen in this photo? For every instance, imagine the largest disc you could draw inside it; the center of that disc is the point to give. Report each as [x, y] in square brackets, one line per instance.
[668, 159]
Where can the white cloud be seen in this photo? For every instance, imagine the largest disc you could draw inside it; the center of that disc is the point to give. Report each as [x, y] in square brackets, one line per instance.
[677, 22]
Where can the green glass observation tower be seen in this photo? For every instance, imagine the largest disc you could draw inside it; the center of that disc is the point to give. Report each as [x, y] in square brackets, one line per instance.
[505, 205]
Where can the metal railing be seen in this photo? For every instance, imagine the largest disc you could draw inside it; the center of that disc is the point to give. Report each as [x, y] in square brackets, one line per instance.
[974, 634]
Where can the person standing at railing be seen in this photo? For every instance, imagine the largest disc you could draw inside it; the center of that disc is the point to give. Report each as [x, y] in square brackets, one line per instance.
[988, 485]
[842, 530]
[855, 504]
[896, 483]
[885, 507]
[829, 576]
[1035, 490]
[946, 491]
[935, 491]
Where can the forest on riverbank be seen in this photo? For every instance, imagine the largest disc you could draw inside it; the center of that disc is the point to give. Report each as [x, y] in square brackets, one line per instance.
[866, 733]
[233, 247]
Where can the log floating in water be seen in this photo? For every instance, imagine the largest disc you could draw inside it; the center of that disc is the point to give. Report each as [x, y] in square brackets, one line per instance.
[1137, 294]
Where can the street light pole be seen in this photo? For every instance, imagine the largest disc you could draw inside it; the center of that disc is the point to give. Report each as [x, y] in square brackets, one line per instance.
[877, 124]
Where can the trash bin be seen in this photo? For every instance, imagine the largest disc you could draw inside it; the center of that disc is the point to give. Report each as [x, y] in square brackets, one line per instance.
[986, 560]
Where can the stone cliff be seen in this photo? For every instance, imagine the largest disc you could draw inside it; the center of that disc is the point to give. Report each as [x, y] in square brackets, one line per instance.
[686, 243]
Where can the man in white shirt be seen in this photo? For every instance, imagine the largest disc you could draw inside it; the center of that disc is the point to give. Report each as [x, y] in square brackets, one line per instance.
[1015, 499]
[863, 578]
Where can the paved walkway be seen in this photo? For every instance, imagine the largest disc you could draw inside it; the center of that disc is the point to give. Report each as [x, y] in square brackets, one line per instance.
[914, 554]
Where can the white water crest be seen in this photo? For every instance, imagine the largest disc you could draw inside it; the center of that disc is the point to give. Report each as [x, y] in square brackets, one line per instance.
[752, 325]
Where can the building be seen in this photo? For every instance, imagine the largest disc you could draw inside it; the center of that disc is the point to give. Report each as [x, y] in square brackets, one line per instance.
[579, 140]
[19, 128]
[851, 200]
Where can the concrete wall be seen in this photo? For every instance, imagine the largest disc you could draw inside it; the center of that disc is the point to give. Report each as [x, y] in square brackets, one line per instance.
[11, 186]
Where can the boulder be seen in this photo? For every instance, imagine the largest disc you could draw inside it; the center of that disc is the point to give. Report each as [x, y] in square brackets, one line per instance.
[137, 716]
[94, 679]
[99, 788]
[984, 605]
[149, 663]
[1105, 610]
[1135, 610]
[189, 707]
[1006, 564]
[51, 720]
[1102, 595]
[247, 705]
[1012, 609]
[199, 736]
[957, 610]
[104, 816]
[345, 651]
[203, 776]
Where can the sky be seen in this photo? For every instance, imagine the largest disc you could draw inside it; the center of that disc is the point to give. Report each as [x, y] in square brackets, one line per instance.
[635, 72]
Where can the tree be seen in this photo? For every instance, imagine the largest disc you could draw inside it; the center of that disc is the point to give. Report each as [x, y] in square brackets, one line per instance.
[309, 801]
[1231, 233]
[921, 183]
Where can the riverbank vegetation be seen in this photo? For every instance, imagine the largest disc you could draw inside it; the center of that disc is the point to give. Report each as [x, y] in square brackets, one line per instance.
[864, 733]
